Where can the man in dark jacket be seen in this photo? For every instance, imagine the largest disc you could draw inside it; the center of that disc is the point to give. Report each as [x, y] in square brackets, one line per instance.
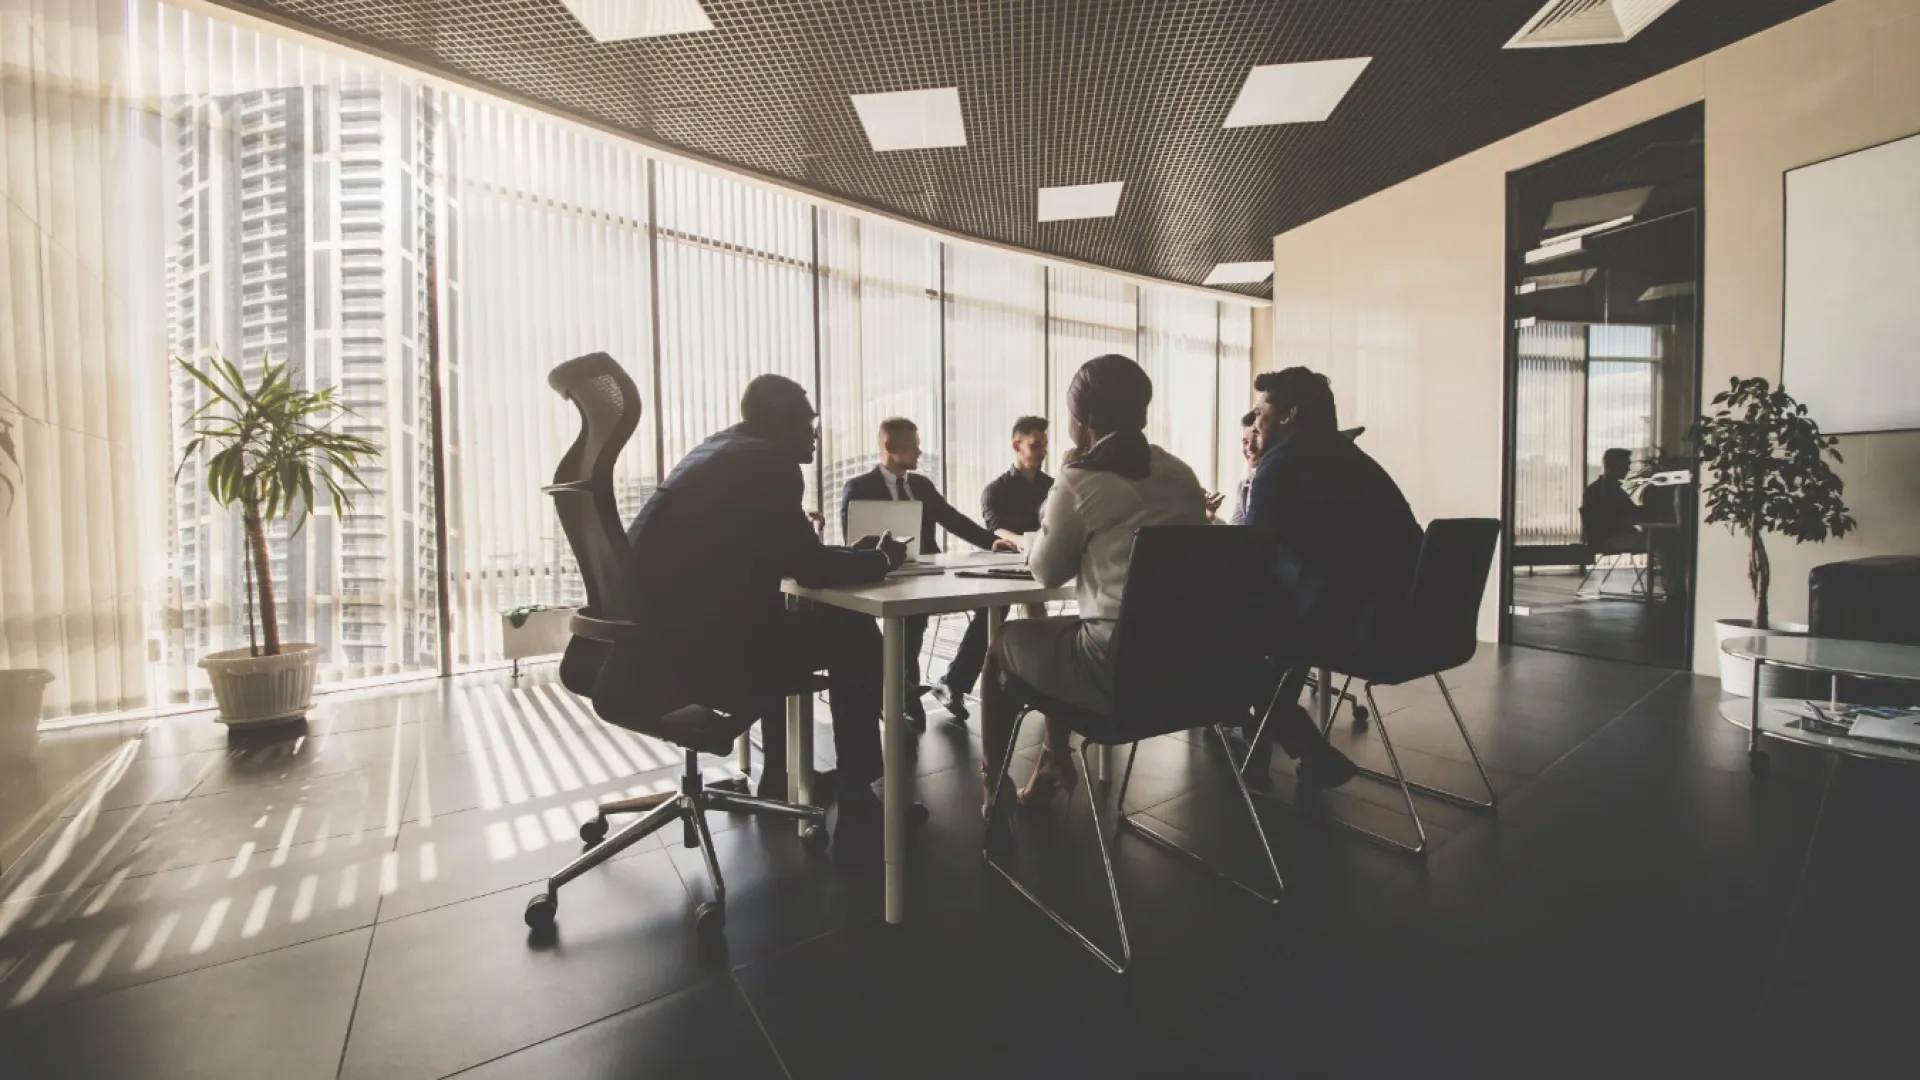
[711, 548]
[894, 479]
[1347, 540]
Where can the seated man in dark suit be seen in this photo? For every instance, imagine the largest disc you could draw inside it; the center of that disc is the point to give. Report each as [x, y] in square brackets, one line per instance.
[710, 550]
[894, 479]
[1348, 544]
[1011, 505]
[1611, 517]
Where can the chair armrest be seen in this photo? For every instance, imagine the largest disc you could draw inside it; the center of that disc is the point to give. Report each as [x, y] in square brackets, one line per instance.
[612, 631]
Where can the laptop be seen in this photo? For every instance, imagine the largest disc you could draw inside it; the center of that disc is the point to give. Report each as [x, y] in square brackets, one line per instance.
[872, 517]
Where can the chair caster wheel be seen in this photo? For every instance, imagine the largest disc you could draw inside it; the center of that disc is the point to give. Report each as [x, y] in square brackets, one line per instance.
[541, 910]
[1757, 762]
[710, 918]
[1361, 716]
[593, 830]
[815, 838]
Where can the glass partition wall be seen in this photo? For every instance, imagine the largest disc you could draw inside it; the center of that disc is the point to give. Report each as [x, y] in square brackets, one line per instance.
[178, 184]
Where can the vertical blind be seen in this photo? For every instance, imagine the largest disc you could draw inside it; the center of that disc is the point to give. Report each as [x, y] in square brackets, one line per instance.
[177, 184]
[1089, 314]
[1549, 433]
[995, 359]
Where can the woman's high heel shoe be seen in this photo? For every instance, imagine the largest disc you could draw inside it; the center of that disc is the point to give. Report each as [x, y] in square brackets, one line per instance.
[1050, 775]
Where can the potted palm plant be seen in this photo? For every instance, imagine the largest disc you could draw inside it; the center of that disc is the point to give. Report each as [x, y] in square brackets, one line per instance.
[273, 449]
[21, 689]
[1770, 475]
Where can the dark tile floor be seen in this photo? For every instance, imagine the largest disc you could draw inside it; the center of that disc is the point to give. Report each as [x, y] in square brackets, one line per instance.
[1611, 621]
[346, 901]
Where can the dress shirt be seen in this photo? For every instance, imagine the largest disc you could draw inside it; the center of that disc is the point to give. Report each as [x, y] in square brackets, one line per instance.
[1012, 502]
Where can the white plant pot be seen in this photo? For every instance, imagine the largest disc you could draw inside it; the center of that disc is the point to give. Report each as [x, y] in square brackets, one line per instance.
[263, 689]
[1736, 674]
[541, 633]
[21, 690]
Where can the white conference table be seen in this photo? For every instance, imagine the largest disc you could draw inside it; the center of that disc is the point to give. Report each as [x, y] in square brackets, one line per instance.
[892, 602]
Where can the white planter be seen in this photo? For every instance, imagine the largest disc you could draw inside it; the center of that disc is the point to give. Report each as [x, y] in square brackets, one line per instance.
[263, 689]
[1736, 675]
[20, 692]
[542, 633]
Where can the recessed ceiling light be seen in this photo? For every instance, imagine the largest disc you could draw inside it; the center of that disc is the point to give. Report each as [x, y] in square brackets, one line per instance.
[1294, 93]
[912, 119]
[620, 20]
[1240, 273]
[1588, 230]
[1549, 252]
[1079, 201]
[1566, 279]
[1568, 213]
[1588, 22]
[1668, 292]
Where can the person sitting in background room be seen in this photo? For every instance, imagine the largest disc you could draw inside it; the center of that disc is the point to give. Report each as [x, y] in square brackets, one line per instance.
[1010, 504]
[1250, 450]
[894, 478]
[1114, 482]
[1348, 543]
[710, 550]
[1611, 517]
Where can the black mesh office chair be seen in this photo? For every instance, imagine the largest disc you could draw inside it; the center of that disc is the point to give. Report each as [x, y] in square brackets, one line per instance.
[1435, 634]
[1185, 655]
[608, 642]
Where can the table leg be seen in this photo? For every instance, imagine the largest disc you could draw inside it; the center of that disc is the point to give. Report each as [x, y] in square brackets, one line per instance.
[1756, 758]
[1323, 697]
[897, 787]
[799, 742]
[800, 754]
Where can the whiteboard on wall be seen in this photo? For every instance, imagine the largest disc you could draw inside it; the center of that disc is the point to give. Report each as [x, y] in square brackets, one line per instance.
[1851, 347]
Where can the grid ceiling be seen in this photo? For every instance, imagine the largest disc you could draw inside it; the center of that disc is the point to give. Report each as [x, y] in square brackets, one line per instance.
[1055, 92]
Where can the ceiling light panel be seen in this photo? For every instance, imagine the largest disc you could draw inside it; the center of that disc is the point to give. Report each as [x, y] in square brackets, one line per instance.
[1564, 23]
[1240, 273]
[1294, 93]
[1079, 201]
[621, 20]
[912, 119]
[1569, 213]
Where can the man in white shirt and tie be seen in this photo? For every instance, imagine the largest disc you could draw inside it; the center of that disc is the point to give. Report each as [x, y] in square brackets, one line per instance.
[896, 479]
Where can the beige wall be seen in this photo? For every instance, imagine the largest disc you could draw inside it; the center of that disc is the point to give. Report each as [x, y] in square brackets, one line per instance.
[1399, 298]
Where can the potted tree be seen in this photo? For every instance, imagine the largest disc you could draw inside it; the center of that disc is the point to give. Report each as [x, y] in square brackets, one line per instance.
[1770, 475]
[21, 689]
[273, 448]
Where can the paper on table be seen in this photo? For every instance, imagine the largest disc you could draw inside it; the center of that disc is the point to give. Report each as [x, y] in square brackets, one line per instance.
[1902, 728]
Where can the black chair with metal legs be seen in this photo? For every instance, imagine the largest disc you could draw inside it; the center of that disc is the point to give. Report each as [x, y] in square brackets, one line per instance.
[1434, 634]
[1185, 655]
[609, 645]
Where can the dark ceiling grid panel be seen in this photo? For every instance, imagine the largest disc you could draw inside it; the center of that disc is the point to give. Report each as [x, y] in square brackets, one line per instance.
[1055, 92]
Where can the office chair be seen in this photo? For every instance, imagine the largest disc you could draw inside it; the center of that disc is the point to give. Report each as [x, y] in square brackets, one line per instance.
[1602, 549]
[608, 641]
[1185, 655]
[1434, 634]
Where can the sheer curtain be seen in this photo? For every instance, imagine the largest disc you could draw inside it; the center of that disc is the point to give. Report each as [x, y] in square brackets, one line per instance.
[996, 362]
[1089, 314]
[78, 367]
[543, 257]
[1549, 434]
[1179, 347]
[1236, 394]
[879, 346]
[736, 300]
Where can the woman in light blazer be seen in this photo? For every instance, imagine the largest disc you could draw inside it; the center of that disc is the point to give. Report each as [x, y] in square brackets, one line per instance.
[1114, 482]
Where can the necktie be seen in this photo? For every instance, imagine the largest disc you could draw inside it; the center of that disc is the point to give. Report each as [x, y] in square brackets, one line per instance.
[900, 483]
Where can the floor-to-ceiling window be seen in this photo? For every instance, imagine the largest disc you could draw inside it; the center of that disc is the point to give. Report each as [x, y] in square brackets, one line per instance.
[181, 184]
